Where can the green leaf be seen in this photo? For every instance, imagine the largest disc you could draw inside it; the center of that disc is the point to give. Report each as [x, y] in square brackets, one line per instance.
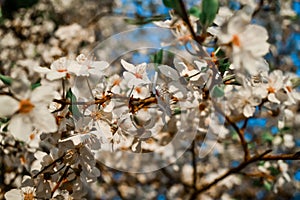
[158, 57]
[168, 3]
[177, 111]
[73, 108]
[267, 137]
[261, 163]
[267, 185]
[218, 91]
[35, 85]
[6, 79]
[176, 5]
[274, 171]
[208, 12]
[195, 11]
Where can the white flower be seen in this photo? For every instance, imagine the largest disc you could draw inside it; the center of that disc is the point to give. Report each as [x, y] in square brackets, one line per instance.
[25, 193]
[61, 68]
[29, 112]
[275, 87]
[191, 74]
[135, 75]
[244, 101]
[247, 42]
[90, 67]
[292, 93]
[278, 114]
[174, 86]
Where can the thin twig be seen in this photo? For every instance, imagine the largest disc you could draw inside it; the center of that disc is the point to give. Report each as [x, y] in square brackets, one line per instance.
[60, 180]
[194, 161]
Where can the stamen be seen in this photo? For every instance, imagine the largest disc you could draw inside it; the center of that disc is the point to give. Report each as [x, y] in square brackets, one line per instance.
[25, 106]
[236, 40]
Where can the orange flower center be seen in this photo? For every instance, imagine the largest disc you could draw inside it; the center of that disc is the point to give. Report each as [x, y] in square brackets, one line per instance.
[28, 196]
[137, 75]
[138, 90]
[25, 106]
[236, 40]
[271, 90]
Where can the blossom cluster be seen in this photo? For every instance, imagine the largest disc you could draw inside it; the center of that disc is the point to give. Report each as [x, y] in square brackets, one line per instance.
[82, 108]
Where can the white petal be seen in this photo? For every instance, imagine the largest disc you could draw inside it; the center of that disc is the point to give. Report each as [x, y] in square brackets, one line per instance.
[42, 95]
[132, 80]
[43, 120]
[248, 110]
[76, 68]
[272, 98]
[109, 107]
[169, 72]
[41, 70]
[54, 75]
[20, 127]
[14, 194]
[129, 67]
[260, 91]
[8, 106]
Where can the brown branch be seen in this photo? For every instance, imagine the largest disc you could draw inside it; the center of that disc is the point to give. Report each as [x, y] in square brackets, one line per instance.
[293, 156]
[194, 161]
[239, 131]
[261, 157]
[232, 171]
[60, 180]
[216, 79]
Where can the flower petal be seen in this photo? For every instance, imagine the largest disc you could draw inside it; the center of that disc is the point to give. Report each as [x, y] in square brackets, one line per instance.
[248, 110]
[13, 194]
[20, 126]
[54, 75]
[8, 106]
[129, 67]
[42, 95]
[43, 120]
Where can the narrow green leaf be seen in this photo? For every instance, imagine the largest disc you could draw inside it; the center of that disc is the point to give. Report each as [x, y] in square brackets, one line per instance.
[6, 79]
[35, 85]
[73, 108]
[158, 57]
[209, 12]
